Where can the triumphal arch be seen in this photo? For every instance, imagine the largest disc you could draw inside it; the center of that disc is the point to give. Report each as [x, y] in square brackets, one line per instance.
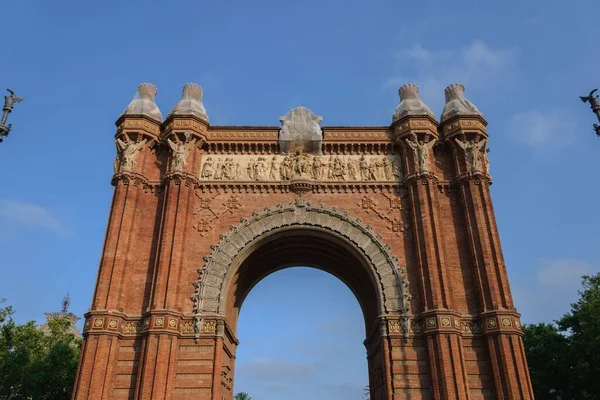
[401, 214]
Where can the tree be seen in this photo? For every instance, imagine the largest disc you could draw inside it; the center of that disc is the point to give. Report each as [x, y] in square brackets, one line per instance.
[564, 359]
[583, 326]
[34, 365]
[366, 392]
[547, 353]
[242, 396]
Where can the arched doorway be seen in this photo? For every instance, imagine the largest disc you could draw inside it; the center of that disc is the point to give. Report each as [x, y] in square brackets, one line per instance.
[313, 349]
[300, 234]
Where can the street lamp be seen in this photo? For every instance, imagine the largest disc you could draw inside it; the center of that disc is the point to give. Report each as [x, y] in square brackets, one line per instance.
[595, 105]
[9, 103]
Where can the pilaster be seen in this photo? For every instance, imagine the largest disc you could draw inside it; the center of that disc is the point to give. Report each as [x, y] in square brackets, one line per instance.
[417, 136]
[184, 149]
[466, 135]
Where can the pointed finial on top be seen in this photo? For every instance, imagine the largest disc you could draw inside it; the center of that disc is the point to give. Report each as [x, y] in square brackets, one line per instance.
[143, 103]
[410, 103]
[457, 104]
[191, 102]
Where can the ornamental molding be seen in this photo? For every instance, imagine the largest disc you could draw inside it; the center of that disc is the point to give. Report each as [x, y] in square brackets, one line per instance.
[209, 297]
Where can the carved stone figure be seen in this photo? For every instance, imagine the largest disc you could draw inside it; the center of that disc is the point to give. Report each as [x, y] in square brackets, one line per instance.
[274, 173]
[207, 169]
[287, 168]
[338, 170]
[250, 169]
[225, 168]
[129, 152]
[301, 164]
[180, 152]
[238, 171]
[219, 169]
[301, 130]
[421, 152]
[372, 170]
[473, 154]
[486, 160]
[317, 168]
[364, 168]
[353, 169]
[405, 323]
[197, 325]
[388, 170]
[260, 169]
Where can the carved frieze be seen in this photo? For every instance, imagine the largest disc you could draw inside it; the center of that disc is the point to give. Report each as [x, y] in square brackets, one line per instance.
[276, 168]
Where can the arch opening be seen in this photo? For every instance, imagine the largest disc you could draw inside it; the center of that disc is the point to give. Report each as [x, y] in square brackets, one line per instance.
[303, 348]
[322, 237]
[302, 246]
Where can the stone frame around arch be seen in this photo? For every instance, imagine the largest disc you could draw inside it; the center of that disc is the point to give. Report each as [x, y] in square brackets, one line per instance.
[209, 298]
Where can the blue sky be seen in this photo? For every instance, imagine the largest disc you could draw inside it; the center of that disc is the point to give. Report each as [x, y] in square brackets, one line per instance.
[78, 64]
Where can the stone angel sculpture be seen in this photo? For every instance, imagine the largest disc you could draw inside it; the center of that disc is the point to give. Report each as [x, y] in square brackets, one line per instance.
[129, 151]
[421, 152]
[180, 151]
[473, 154]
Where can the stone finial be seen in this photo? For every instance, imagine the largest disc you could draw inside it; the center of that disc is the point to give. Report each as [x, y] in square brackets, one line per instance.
[410, 103]
[191, 102]
[143, 102]
[456, 104]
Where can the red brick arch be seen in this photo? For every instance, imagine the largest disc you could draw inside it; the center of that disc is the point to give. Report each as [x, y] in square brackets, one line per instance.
[361, 246]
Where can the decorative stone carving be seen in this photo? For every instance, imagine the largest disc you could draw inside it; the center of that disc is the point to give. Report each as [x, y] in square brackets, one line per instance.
[301, 166]
[457, 104]
[208, 170]
[486, 160]
[143, 103]
[180, 152]
[197, 326]
[392, 286]
[420, 152]
[411, 103]
[301, 130]
[395, 224]
[473, 154]
[206, 216]
[190, 103]
[128, 152]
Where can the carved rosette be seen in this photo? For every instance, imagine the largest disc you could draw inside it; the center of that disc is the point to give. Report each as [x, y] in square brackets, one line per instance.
[393, 285]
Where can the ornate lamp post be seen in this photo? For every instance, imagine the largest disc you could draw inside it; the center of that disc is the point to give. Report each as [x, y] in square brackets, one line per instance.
[9, 103]
[595, 105]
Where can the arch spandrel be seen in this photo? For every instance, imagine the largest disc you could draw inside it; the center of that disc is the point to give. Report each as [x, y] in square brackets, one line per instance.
[211, 286]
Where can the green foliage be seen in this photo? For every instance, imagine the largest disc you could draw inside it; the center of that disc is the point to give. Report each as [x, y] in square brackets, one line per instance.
[564, 359]
[34, 365]
[242, 396]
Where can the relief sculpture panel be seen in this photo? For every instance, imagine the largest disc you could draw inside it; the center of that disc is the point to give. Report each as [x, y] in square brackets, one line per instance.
[276, 168]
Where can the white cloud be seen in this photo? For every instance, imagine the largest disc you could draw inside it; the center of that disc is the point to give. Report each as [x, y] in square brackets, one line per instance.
[29, 215]
[268, 369]
[548, 130]
[475, 65]
[562, 273]
[549, 296]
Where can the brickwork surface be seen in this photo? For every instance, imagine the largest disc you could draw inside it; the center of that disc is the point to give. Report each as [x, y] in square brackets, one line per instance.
[420, 250]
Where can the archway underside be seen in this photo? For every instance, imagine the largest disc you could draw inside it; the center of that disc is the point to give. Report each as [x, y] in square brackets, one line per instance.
[304, 247]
